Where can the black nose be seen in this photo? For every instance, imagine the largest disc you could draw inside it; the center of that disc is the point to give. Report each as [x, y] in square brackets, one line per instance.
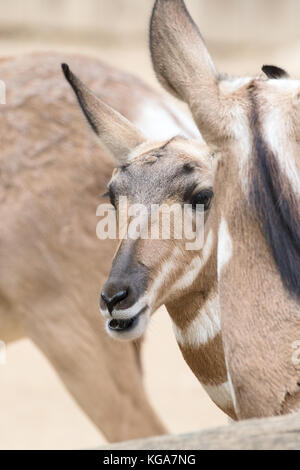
[115, 299]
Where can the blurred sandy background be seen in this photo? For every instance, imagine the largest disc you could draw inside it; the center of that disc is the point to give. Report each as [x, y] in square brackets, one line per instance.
[35, 410]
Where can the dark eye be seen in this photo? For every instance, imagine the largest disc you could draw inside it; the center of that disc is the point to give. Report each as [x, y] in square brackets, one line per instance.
[204, 198]
[110, 195]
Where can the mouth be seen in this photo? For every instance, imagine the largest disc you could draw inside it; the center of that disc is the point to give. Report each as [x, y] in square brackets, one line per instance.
[124, 325]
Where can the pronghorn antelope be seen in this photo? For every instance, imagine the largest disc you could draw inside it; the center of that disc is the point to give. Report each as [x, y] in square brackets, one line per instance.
[149, 273]
[235, 304]
[255, 122]
[51, 180]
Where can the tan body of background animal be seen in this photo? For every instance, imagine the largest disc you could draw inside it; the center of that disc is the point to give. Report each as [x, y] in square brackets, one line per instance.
[52, 264]
[258, 287]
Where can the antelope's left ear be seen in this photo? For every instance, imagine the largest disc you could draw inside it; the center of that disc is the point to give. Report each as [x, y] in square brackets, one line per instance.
[115, 132]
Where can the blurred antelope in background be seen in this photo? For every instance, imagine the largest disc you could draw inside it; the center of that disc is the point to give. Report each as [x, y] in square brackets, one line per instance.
[234, 304]
[52, 264]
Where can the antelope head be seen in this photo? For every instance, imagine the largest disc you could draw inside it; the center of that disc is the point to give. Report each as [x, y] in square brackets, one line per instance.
[164, 175]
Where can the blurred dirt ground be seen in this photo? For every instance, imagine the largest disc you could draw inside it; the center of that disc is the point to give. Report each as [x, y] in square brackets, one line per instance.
[35, 410]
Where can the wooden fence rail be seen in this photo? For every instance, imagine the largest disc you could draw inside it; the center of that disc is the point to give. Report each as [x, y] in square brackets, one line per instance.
[282, 433]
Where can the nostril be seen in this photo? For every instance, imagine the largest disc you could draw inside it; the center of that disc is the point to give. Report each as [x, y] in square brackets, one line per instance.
[115, 299]
[119, 296]
[104, 298]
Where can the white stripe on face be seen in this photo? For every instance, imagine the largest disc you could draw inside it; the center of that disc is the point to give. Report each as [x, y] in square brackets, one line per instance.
[127, 313]
[203, 328]
[197, 264]
[168, 267]
[225, 249]
[220, 394]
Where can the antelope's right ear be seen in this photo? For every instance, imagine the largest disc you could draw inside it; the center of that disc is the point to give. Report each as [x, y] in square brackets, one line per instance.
[115, 132]
[183, 64]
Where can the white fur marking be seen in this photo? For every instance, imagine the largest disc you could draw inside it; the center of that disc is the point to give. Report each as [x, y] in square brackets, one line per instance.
[228, 86]
[160, 123]
[126, 313]
[230, 384]
[220, 394]
[188, 278]
[132, 334]
[203, 328]
[276, 129]
[225, 248]
[238, 122]
[165, 271]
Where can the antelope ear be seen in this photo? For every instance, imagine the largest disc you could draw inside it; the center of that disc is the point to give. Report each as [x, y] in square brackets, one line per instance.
[115, 132]
[182, 62]
[274, 72]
